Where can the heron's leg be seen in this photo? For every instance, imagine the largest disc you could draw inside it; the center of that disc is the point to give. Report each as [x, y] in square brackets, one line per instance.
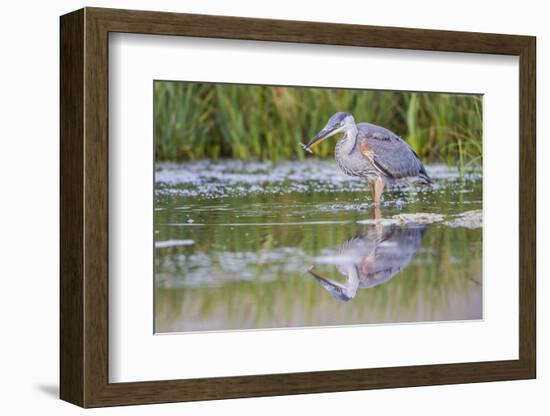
[371, 186]
[377, 192]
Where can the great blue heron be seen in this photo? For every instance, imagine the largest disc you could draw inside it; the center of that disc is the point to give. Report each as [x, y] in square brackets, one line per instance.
[372, 258]
[372, 152]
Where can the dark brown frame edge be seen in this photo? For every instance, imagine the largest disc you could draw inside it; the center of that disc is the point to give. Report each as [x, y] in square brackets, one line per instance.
[84, 207]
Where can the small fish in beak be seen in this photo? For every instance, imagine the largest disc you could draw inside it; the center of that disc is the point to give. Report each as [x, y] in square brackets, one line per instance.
[306, 148]
[323, 134]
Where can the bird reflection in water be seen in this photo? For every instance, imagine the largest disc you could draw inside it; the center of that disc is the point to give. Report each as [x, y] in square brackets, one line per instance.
[372, 258]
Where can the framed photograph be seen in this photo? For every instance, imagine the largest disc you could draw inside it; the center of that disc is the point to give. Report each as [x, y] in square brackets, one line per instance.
[255, 207]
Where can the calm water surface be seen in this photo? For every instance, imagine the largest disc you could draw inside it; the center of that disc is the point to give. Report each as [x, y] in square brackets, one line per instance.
[297, 244]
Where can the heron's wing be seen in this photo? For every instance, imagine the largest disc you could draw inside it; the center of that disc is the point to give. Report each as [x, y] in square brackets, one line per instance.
[401, 245]
[388, 152]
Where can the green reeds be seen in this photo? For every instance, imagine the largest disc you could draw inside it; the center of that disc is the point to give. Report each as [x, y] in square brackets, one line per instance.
[198, 120]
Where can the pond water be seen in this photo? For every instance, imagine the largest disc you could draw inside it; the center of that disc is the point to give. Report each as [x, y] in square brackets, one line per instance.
[298, 244]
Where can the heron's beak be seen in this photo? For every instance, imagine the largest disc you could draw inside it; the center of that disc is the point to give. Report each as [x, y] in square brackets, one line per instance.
[323, 280]
[336, 290]
[323, 134]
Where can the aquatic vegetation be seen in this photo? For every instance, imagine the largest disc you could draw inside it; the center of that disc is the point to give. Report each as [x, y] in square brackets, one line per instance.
[233, 178]
[173, 243]
[418, 218]
[468, 219]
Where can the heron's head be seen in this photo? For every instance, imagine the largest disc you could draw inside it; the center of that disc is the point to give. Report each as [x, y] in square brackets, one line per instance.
[339, 123]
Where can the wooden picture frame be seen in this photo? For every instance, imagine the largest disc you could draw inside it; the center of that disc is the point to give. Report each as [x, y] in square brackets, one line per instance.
[84, 207]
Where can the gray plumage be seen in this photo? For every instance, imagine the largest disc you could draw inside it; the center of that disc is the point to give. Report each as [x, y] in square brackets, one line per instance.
[372, 152]
[392, 156]
[375, 257]
[386, 253]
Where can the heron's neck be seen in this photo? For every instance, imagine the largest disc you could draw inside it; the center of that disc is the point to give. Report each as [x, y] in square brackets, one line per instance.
[352, 284]
[348, 142]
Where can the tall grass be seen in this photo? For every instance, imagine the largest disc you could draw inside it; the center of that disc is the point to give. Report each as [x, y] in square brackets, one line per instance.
[198, 120]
